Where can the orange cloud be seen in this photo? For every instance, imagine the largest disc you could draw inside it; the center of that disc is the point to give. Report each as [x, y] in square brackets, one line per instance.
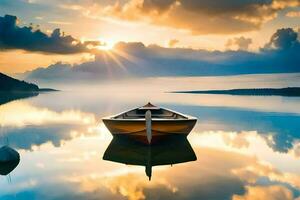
[172, 42]
[241, 43]
[131, 186]
[198, 17]
[293, 14]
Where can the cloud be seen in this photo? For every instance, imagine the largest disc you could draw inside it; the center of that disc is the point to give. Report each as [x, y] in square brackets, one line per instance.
[242, 43]
[296, 150]
[20, 114]
[280, 55]
[14, 37]
[25, 125]
[274, 192]
[237, 141]
[198, 16]
[60, 22]
[132, 186]
[157, 5]
[284, 38]
[173, 42]
[252, 172]
[293, 14]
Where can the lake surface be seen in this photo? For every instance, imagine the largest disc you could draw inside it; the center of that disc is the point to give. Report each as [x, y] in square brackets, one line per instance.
[245, 146]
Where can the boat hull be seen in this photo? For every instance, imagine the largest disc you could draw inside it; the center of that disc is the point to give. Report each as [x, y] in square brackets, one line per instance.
[160, 128]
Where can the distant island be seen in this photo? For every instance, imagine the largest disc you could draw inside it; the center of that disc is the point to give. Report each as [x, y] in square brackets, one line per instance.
[9, 84]
[13, 89]
[289, 92]
[47, 90]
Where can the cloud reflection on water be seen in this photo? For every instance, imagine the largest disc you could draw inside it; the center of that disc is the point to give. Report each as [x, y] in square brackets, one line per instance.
[76, 170]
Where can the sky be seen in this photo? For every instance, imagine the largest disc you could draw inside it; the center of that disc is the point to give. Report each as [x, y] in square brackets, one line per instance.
[61, 35]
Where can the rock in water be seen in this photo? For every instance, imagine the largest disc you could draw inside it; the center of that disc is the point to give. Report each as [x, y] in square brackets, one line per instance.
[8, 154]
[9, 160]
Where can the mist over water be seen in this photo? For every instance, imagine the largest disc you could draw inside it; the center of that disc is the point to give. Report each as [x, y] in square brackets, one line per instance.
[165, 84]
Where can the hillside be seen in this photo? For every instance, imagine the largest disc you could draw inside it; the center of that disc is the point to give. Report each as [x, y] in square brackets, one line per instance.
[9, 84]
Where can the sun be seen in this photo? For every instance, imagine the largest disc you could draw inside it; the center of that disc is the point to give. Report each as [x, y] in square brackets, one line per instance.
[107, 45]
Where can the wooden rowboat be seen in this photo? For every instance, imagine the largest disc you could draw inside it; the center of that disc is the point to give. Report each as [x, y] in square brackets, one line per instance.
[149, 123]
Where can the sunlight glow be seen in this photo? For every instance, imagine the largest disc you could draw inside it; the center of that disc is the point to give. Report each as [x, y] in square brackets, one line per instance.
[107, 44]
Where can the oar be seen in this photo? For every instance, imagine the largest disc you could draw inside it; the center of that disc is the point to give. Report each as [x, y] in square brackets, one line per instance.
[148, 126]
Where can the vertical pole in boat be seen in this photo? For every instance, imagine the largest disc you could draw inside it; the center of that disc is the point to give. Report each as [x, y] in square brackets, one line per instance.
[148, 126]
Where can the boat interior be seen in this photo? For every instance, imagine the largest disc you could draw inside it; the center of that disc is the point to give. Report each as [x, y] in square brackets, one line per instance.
[158, 113]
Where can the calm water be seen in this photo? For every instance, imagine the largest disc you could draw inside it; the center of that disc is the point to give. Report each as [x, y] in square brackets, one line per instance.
[241, 148]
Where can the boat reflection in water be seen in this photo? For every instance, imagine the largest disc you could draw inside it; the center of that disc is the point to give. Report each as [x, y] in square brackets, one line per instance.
[173, 151]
